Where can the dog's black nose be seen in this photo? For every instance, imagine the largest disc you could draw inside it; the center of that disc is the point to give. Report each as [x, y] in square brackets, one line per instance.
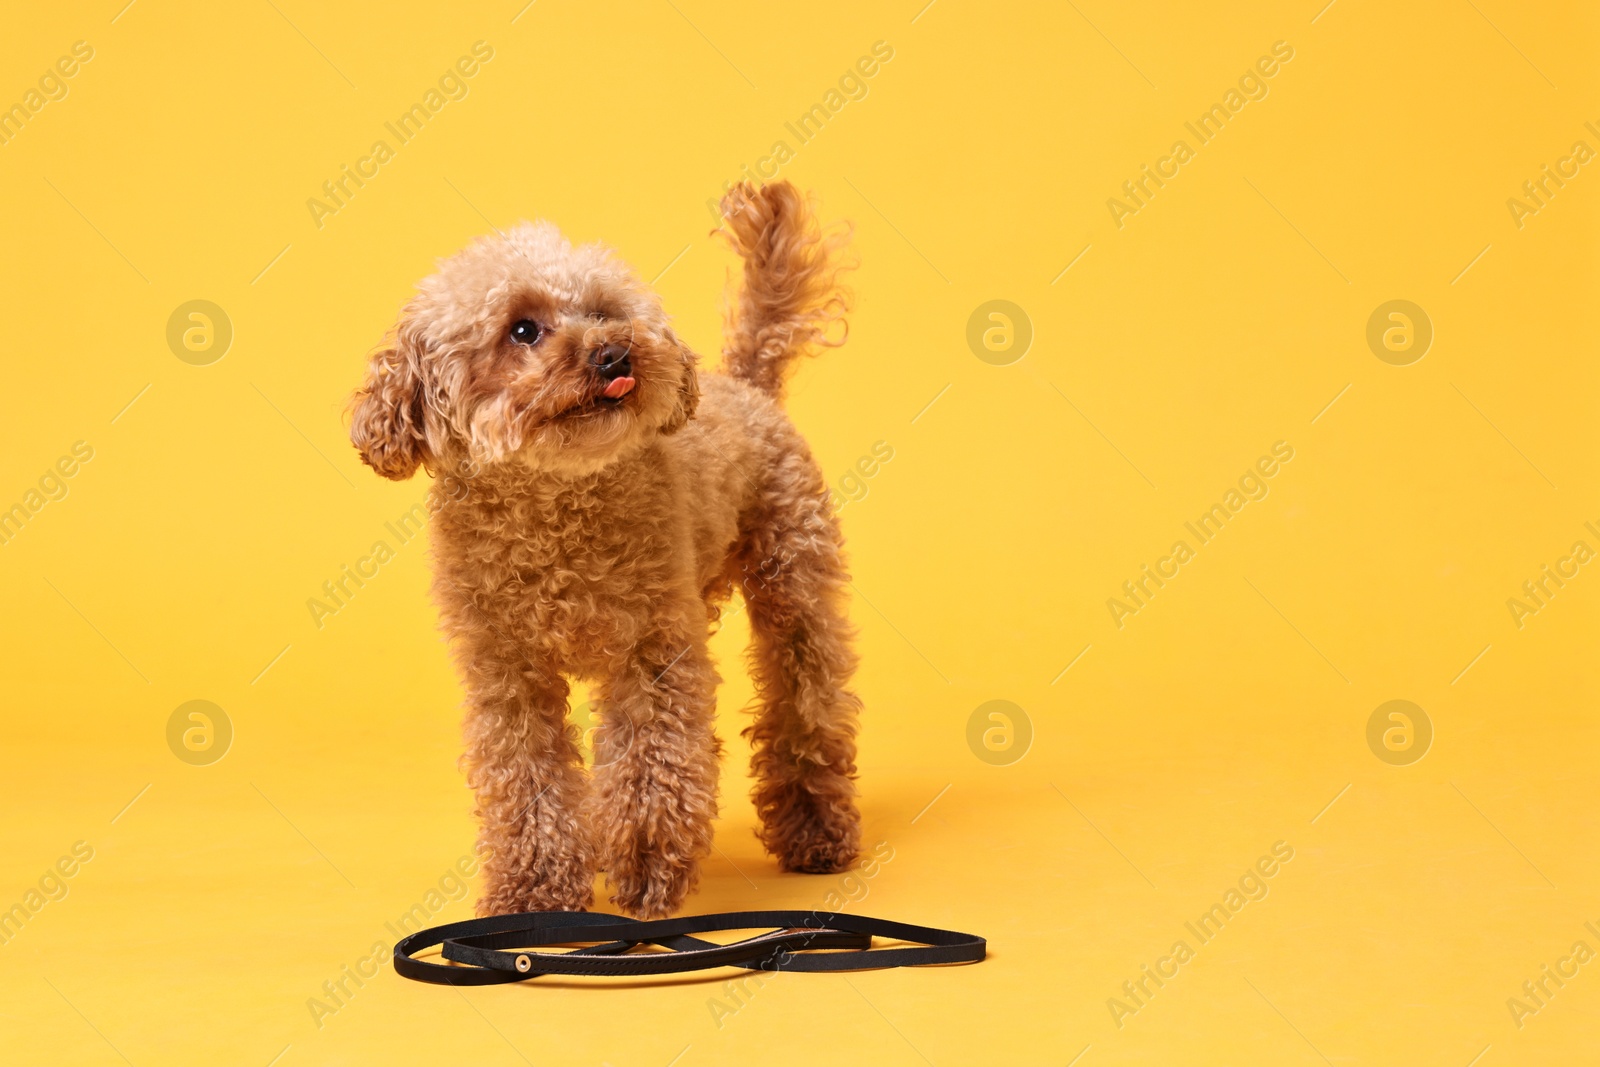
[611, 361]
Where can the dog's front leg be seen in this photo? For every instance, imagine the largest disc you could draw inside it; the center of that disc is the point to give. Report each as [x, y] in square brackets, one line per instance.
[656, 765]
[525, 771]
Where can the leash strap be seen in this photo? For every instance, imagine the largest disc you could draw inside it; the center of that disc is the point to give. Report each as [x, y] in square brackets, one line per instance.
[795, 941]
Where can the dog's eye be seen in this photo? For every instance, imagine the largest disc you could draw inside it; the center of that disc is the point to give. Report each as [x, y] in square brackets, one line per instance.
[525, 332]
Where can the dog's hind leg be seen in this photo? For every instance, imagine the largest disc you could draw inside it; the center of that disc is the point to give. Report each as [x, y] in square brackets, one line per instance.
[801, 659]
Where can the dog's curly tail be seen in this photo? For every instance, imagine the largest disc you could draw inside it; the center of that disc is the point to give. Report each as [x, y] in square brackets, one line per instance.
[791, 296]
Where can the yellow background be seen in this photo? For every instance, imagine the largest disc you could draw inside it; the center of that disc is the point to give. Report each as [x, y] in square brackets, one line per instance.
[1223, 717]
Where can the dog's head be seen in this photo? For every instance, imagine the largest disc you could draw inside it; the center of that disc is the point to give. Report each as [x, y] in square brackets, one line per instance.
[524, 349]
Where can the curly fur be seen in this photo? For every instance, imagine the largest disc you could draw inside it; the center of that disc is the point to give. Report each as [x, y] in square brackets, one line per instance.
[593, 539]
[791, 292]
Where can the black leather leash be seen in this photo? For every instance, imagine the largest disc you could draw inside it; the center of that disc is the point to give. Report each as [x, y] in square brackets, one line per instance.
[792, 944]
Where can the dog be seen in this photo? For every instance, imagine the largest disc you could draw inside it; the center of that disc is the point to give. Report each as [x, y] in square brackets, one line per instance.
[599, 498]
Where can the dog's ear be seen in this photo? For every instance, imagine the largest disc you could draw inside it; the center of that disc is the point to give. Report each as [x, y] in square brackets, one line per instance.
[688, 391]
[386, 422]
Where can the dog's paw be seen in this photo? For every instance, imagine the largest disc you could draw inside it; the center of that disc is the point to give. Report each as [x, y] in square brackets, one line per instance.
[651, 886]
[550, 884]
[820, 848]
[510, 900]
[809, 833]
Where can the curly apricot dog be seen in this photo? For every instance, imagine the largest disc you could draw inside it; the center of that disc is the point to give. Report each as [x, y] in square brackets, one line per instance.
[603, 500]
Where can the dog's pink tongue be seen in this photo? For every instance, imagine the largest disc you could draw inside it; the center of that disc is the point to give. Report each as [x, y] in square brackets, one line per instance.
[618, 387]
